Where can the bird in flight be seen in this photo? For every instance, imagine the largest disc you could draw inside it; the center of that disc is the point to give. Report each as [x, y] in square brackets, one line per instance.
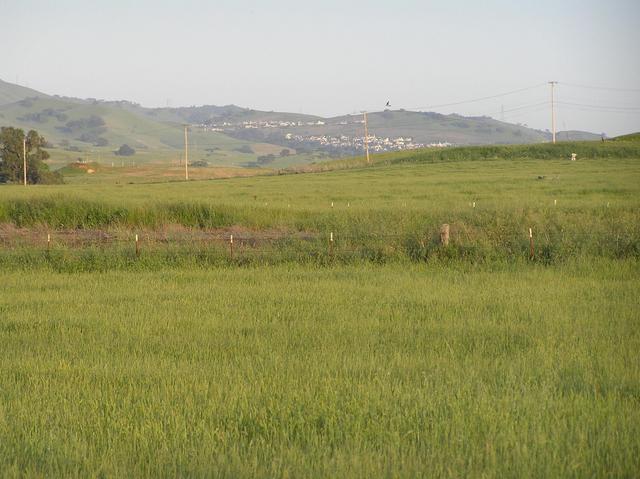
[388, 104]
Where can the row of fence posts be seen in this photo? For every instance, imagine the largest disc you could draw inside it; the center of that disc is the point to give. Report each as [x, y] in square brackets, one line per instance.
[445, 233]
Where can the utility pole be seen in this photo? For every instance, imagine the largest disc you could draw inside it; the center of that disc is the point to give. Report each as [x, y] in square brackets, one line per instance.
[24, 159]
[366, 136]
[186, 154]
[553, 112]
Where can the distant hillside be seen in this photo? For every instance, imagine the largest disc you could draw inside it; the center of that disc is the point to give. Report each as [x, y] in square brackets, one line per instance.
[11, 93]
[234, 136]
[631, 137]
[87, 124]
[573, 135]
[627, 146]
[211, 114]
[429, 127]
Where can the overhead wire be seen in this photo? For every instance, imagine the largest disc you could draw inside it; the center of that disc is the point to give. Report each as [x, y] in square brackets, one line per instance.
[475, 100]
[591, 87]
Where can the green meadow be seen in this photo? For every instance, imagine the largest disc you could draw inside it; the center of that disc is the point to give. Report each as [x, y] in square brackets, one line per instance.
[590, 206]
[384, 354]
[347, 371]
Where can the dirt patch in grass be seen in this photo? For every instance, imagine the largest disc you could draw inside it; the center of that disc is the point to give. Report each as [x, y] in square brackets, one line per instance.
[12, 236]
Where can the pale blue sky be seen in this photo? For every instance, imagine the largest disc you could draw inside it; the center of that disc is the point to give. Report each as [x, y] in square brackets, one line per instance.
[334, 57]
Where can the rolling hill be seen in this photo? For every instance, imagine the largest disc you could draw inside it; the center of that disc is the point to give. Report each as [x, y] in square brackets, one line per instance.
[11, 93]
[90, 130]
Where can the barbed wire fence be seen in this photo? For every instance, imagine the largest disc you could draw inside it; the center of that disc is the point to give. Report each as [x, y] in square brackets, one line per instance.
[533, 243]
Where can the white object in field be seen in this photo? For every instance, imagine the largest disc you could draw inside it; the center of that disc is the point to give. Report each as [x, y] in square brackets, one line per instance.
[474, 204]
[555, 202]
[530, 233]
[332, 204]
[331, 237]
[574, 156]
[231, 239]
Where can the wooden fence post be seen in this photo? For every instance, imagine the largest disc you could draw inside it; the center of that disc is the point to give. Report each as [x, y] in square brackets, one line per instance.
[444, 235]
[331, 245]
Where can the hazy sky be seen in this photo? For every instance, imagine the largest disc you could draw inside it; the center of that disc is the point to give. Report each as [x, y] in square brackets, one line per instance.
[333, 57]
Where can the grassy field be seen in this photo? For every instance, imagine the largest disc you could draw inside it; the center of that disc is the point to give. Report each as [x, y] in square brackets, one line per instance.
[387, 355]
[322, 372]
[589, 206]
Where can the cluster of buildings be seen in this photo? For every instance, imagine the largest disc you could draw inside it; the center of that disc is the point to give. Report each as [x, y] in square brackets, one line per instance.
[341, 143]
[224, 126]
[376, 144]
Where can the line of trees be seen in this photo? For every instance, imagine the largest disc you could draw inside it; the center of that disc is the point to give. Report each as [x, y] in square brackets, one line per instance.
[12, 160]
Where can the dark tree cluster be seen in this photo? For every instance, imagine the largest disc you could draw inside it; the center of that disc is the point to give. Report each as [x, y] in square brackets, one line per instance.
[125, 150]
[12, 158]
[266, 159]
[91, 122]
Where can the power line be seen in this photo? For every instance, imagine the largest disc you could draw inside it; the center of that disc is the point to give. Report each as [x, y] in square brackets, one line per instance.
[604, 107]
[475, 100]
[590, 87]
[553, 113]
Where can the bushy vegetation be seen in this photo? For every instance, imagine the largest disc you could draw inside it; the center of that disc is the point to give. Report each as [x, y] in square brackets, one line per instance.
[125, 150]
[18, 150]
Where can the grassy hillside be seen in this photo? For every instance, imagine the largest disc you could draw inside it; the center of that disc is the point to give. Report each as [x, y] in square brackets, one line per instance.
[431, 127]
[11, 93]
[70, 120]
[620, 147]
[212, 113]
[633, 137]
[91, 130]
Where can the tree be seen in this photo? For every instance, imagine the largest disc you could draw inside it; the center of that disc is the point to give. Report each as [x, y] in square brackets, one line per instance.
[285, 152]
[12, 161]
[266, 159]
[245, 149]
[125, 150]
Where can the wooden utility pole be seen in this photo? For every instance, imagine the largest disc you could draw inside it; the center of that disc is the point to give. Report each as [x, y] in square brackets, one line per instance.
[24, 159]
[186, 154]
[553, 112]
[444, 235]
[366, 136]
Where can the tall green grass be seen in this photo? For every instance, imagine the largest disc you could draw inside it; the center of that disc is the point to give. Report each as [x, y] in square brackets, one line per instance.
[351, 371]
[574, 208]
[622, 147]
